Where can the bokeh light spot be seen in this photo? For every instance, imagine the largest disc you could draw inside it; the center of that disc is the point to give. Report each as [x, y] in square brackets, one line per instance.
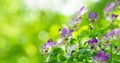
[22, 60]
[43, 35]
[31, 49]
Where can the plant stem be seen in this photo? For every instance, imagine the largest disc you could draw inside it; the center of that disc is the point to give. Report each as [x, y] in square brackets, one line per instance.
[86, 58]
[111, 52]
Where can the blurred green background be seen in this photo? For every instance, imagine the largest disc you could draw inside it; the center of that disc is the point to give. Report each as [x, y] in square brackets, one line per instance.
[23, 31]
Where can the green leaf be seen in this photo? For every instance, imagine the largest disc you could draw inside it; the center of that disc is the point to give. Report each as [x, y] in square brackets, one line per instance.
[62, 58]
[72, 41]
[82, 51]
[56, 51]
[70, 60]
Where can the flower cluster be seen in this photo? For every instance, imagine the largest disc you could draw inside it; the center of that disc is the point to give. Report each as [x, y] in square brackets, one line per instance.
[108, 11]
[69, 44]
[75, 22]
[47, 46]
[112, 34]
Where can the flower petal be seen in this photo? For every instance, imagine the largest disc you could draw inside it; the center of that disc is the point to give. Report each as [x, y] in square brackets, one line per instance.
[64, 32]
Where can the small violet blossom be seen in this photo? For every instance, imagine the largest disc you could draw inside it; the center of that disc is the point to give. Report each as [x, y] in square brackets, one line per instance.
[111, 18]
[111, 6]
[114, 16]
[92, 17]
[108, 9]
[93, 43]
[75, 22]
[47, 46]
[66, 34]
[113, 34]
[101, 57]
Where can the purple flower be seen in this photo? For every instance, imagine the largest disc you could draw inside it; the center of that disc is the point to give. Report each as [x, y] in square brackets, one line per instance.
[92, 43]
[114, 16]
[101, 57]
[75, 22]
[110, 7]
[92, 17]
[66, 33]
[46, 47]
[70, 32]
[112, 34]
[82, 11]
[111, 18]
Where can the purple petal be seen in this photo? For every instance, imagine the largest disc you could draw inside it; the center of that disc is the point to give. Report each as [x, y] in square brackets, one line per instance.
[107, 56]
[114, 16]
[64, 32]
[93, 16]
[44, 46]
[90, 42]
[111, 6]
[117, 31]
[112, 33]
[81, 9]
[95, 58]
[78, 17]
[48, 44]
[100, 53]
[95, 40]
[101, 57]
[107, 8]
[70, 32]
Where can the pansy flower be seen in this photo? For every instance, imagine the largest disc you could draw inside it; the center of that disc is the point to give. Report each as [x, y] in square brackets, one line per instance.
[47, 46]
[112, 18]
[108, 9]
[92, 17]
[101, 57]
[111, 6]
[93, 43]
[66, 34]
[75, 22]
[113, 34]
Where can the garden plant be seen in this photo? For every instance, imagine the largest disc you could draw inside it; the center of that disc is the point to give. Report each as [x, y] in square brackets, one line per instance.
[87, 44]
